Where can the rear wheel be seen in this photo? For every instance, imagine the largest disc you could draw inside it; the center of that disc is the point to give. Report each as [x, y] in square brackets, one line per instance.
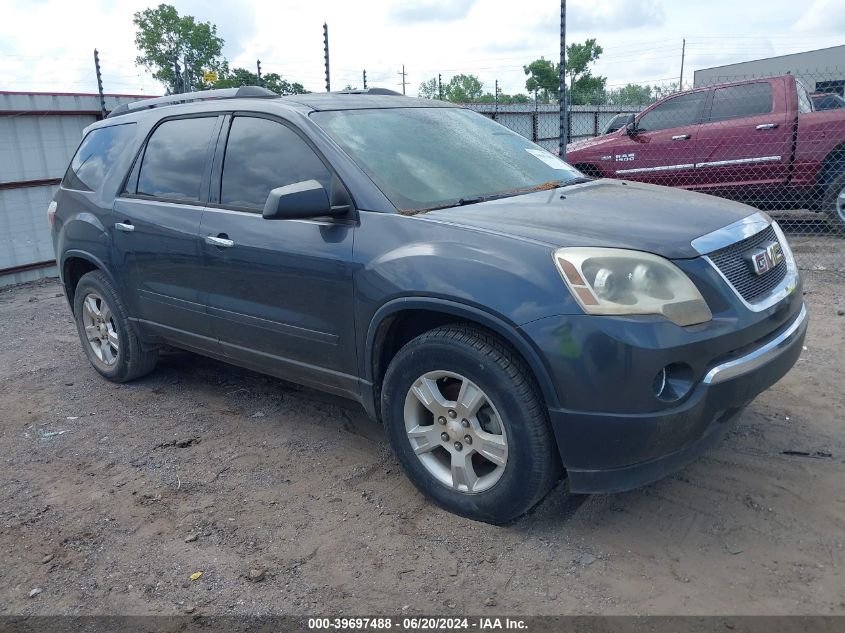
[108, 337]
[834, 203]
[468, 425]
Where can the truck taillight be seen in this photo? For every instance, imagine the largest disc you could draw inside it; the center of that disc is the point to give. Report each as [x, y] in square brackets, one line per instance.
[51, 214]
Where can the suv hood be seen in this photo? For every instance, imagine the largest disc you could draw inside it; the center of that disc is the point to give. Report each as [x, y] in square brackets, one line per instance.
[609, 213]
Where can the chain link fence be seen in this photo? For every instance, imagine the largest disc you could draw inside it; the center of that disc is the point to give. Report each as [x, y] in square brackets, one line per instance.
[776, 143]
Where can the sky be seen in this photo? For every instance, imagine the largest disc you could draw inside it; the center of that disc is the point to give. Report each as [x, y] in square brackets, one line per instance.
[47, 45]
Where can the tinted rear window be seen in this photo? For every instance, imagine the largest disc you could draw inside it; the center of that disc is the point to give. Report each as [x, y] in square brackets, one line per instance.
[741, 101]
[174, 160]
[96, 155]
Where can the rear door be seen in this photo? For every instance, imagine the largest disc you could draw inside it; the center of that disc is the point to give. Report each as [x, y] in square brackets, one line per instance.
[745, 140]
[662, 151]
[279, 291]
[156, 230]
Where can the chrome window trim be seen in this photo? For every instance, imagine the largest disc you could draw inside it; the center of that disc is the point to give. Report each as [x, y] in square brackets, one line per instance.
[760, 356]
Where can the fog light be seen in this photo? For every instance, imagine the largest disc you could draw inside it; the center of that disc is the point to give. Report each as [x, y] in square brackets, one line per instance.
[673, 382]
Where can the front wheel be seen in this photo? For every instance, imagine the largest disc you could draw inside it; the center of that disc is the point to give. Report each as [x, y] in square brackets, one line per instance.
[468, 425]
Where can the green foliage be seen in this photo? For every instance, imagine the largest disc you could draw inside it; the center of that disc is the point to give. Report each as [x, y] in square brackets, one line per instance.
[543, 79]
[165, 37]
[631, 95]
[428, 89]
[242, 77]
[584, 87]
[463, 89]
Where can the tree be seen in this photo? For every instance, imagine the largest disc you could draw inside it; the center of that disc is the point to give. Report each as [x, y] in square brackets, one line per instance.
[463, 89]
[631, 95]
[428, 89]
[165, 38]
[544, 78]
[242, 77]
[544, 75]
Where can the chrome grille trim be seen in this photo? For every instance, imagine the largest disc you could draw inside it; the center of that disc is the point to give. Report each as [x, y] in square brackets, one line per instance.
[732, 233]
[783, 289]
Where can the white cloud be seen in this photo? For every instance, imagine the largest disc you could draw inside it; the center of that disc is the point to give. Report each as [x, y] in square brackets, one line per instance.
[48, 45]
[823, 16]
[408, 11]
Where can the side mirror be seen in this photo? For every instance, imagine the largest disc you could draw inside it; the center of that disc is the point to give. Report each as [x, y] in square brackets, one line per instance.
[631, 125]
[306, 199]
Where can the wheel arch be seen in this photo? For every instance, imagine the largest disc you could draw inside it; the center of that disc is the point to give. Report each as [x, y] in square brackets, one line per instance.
[402, 319]
[74, 265]
[832, 166]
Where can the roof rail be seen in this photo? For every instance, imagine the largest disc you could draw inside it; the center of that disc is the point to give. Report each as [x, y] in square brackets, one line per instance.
[370, 91]
[188, 97]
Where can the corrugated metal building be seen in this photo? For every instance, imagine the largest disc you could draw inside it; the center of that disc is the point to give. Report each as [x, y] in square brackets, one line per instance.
[821, 70]
[39, 133]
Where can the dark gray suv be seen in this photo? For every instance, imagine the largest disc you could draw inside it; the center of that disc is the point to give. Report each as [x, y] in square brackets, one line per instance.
[511, 322]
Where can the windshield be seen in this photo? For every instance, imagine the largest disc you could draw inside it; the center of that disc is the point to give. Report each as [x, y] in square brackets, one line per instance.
[425, 158]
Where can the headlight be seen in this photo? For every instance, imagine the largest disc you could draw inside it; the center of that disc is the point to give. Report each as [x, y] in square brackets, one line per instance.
[617, 281]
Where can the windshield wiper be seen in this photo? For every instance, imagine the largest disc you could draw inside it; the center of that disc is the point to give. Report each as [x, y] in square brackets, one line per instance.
[579, 180]
[470, 200]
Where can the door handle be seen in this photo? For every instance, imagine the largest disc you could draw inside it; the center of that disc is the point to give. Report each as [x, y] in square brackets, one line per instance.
[680, 137]
[766, 126]
[222, 242]
[126, 227]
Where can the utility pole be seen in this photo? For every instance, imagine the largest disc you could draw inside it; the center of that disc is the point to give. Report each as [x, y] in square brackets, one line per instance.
[496, 100]
[403, 73]
[178, 87]
[100, 84]
[258, 68]
[683, 51]
[439, 87]
[365, 79]
[562, 79]
[326, 55]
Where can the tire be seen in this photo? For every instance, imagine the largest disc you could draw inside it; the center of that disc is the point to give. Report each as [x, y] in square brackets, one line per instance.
[451, 364]
[109, 339]
[834, 203]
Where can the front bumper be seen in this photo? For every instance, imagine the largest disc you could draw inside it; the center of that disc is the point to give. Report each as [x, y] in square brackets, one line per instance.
[613, 452]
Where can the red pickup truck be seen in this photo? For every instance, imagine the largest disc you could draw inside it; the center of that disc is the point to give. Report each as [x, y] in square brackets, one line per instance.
[759, 141]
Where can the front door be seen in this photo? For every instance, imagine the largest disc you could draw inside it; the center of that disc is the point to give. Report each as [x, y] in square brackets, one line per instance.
[662, 149]
[156, 231]
[279, 291]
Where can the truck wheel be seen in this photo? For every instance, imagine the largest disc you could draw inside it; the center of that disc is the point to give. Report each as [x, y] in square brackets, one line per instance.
[834, 203]
[108, 337]
[468, 425]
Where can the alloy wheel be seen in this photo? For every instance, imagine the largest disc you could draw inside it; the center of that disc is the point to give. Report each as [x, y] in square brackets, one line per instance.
[100, 328]
[456, 431]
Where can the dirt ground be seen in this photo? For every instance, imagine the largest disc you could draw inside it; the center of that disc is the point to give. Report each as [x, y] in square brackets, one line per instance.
[112, 496]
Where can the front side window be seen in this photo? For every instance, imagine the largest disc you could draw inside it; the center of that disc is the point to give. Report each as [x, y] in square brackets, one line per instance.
[424, 158]
[262, 155]
[741, 101]
[96, 155]
[174, 161]
[676, 112]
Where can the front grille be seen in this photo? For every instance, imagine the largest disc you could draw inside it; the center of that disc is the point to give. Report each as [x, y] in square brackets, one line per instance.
[732, 262]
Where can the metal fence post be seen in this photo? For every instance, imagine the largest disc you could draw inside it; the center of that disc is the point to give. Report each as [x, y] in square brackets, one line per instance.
[564, 127]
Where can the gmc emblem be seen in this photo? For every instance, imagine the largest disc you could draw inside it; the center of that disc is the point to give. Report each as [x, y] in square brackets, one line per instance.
[766, 257]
